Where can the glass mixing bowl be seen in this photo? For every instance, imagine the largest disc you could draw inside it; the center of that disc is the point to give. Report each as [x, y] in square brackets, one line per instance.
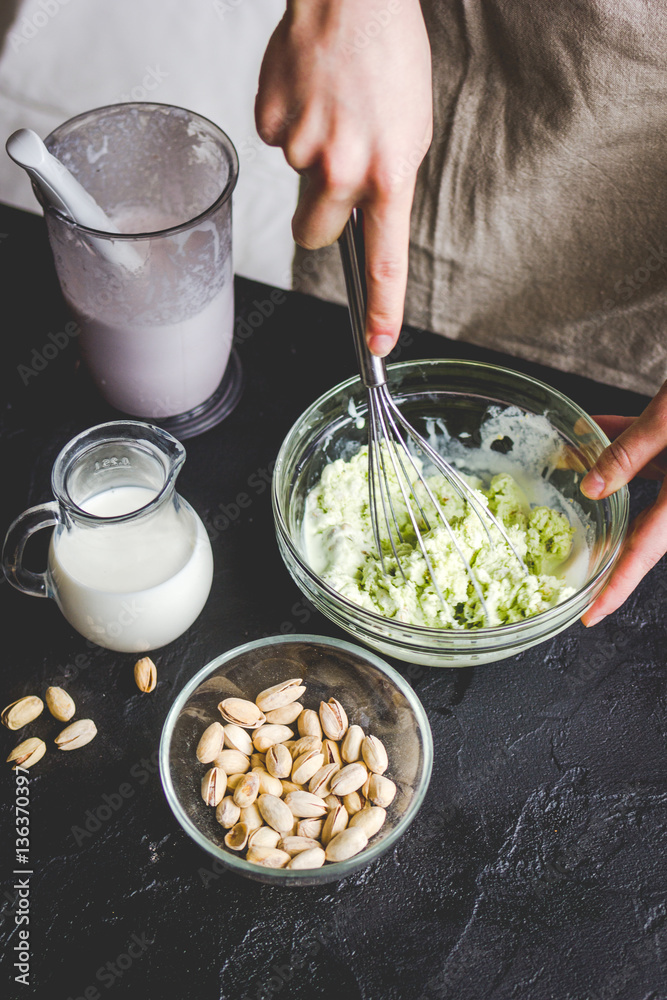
[374, 696]
[463, 396]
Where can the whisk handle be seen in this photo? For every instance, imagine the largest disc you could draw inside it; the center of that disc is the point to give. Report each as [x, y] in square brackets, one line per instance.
[351, 244]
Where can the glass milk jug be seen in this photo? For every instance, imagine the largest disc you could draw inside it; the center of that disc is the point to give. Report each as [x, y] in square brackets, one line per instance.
[130, 564]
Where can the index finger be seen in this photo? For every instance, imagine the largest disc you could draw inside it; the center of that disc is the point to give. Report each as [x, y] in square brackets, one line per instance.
[386, 239]
[634, 448]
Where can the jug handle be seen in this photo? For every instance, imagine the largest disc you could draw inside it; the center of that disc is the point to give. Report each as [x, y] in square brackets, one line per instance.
[46, 515]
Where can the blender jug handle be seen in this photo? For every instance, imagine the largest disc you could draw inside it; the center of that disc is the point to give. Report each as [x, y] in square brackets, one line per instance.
[46, 515]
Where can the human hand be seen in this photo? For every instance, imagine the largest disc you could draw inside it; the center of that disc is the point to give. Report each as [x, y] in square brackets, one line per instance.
[639, 447]
[345, 91]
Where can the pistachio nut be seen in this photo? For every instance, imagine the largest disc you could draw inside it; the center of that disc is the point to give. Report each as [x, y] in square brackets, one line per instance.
[374, 754]
[266, 836]
[250, 815]
[279, 761]
[286, 715]
[354, 802]
[351, 746]
[21, 712]
[258, 760]
[309, 724]
[333, 719]
[280, 695]
[237, 738]
[233, 761]
[213, 786]
[305, 766]
[319, 783]
[227, 813]
[210, 744]
[76, 735]
[268, 734]
[290, 786]
[145, 674]
[335, 822]
[304, 805]
[381, 790]
[331, 801]
[310, 828]
[369, 819]
[268, 785]
[276, 813]
[346, 844]
[60, 704]
[247, 790]
[27, 753]
[293, 845]
[349, 779]
[331, 753]
[314, 858]
[268, 857]
[304, 744]
[233, 779]
[237, 837]
[241, 712]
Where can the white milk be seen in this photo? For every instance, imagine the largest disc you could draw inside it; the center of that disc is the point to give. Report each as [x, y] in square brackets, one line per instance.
[137, 585]
[143, 362]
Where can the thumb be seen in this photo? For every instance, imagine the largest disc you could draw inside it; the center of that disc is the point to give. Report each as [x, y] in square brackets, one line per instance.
[634, 448]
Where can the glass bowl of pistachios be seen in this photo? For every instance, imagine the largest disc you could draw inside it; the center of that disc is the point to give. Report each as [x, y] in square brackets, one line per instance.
[297, 759]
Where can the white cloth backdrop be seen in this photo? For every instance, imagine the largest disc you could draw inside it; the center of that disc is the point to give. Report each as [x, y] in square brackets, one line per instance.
[62, 57]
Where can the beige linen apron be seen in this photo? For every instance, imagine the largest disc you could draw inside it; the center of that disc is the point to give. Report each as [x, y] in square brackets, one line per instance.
[539, 225]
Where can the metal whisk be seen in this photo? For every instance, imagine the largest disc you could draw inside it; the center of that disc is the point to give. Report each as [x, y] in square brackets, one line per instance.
[389, 434]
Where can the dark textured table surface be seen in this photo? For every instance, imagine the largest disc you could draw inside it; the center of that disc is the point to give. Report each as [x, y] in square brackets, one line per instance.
[535, 868]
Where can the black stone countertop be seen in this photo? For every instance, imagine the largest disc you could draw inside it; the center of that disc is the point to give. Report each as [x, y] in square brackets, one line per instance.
[535, 868]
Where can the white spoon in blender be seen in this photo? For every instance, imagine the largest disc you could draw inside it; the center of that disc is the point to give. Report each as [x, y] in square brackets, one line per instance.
[62, 190]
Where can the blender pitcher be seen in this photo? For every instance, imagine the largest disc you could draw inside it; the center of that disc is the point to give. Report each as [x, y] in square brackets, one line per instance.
[130, 563]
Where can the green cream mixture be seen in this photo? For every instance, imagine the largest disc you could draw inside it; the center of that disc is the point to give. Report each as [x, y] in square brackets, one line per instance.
[340, 547]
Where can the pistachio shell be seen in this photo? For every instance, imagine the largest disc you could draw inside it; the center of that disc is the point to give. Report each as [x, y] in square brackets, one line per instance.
[267, 735]
[310, 828]
[294, 845]
[268, 857]
[370, 819]
[279, 761]
[349, 779]
[60, 704]
[304, 805]
[21, 712]
[233, 761]
[276, 813]
[374, 754]
[213, 786]
[76, 735]
[331, 753]
[241, 712]
[268, 785]
[266, 836]
[279, 695]
[145, 674]
[304, 744]
[320, 781]
[286, 715]
[335, 822]
[351, 746]
[306, 766]
[27, 753]
[346, 844]
[333, 719]
[210, 743]
[237, 837]
[354, 802]
[250, 815]
[381, 790]
[247, 790]
[309, 724]
[313, 858]
[237, 738]
[227, 813]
